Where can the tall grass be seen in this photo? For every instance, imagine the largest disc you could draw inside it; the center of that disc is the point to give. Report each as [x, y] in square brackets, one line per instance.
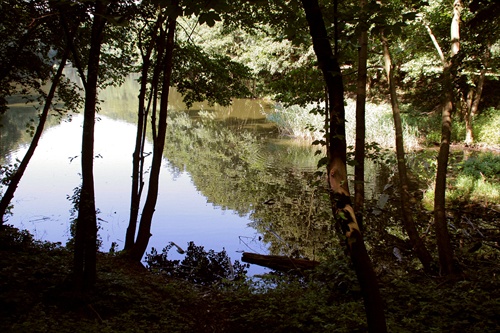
[303, 123]
[297, 122]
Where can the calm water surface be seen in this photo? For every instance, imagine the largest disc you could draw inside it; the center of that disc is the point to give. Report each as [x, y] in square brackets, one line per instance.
[183, 214]
[216, 206]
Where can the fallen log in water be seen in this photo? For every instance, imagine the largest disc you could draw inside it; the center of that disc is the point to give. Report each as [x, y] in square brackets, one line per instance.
[279, 263]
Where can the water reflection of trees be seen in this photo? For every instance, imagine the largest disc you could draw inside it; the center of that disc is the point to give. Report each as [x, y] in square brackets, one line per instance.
[15, 125]
[246, 173]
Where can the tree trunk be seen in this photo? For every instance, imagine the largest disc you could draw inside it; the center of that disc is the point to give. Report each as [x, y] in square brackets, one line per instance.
[69, 41]
[14, 182]
[359, 154]
[337, 175]
[445, 249]
[138, 155]
[469, 135]
[137, 251]
[407, 215]
[475, 98]
[443, 238]
[86, 223]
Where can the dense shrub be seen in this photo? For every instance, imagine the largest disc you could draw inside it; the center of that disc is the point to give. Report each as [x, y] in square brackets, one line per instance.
[198, 266]
[484, 165]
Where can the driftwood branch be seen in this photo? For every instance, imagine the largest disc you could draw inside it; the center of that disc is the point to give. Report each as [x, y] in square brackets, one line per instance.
[279, 263]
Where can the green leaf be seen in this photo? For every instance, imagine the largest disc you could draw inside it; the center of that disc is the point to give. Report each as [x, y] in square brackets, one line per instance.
[209, 18]
[322, 162]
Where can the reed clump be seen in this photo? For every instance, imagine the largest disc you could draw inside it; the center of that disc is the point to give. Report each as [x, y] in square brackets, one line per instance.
[307, 123]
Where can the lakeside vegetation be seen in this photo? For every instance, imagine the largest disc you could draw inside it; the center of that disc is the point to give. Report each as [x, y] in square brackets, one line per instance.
[36, 296]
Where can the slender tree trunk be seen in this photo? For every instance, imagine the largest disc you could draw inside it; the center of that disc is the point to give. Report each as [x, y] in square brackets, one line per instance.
[144, 233]
[14, 182]
[475, 98]
[445, 250]
[480, 84]
[86, 223]
[469, 135]
[359, 154]
[407, 215]
[337, 175]
[138, 155]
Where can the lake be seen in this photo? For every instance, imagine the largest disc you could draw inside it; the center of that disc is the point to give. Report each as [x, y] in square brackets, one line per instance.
[228, 180]
[183, 212]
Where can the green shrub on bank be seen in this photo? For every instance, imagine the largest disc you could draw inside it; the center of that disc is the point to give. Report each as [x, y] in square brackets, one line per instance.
[484, 165]
[479, 180]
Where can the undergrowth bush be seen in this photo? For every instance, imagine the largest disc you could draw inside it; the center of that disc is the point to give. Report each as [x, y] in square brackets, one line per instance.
[484, 165]
[34, 295]
[479, 179]
[468, 188]
[199, 266]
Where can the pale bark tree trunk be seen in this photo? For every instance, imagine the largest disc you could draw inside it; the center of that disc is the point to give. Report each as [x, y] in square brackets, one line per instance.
[144, 233]
[337, 174]
[359, 154]
[14, 182]
[407, 215]
[474, 97]
[445, 250]
[436, 44]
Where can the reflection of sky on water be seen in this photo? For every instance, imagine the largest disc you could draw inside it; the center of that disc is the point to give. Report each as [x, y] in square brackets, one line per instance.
[182, 213]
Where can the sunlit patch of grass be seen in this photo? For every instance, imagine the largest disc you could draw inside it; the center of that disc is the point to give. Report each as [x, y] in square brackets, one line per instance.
[428, 198]
[487, 127]
[468, 188]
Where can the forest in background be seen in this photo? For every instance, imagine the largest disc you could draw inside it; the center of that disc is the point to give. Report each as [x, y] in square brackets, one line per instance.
[434, 63]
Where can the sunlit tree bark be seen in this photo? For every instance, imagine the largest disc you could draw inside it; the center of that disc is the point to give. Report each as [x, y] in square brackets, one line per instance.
[474, 97]
[337, 174]
[445, 249]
